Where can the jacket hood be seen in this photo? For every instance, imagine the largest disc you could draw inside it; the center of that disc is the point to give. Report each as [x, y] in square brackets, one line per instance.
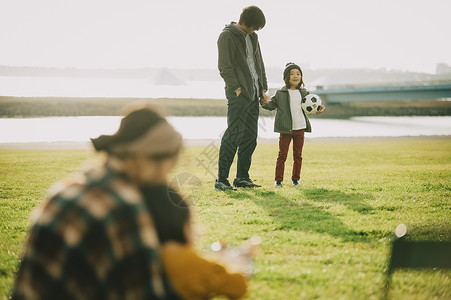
[232, 28]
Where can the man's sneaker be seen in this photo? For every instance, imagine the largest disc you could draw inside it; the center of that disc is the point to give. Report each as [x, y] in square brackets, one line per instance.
[244, 183]
[223, 185]
[278, 184]
[295, 183]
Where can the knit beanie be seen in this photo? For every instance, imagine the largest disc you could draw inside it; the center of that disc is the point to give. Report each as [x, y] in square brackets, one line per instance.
[143, 131]
[290, 66]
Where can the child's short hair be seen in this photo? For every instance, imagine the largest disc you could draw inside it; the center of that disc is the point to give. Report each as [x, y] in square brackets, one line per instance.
[252, 16]
[286, 74]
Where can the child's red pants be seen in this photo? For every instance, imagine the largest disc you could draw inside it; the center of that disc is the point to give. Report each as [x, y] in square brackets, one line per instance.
[284, 145]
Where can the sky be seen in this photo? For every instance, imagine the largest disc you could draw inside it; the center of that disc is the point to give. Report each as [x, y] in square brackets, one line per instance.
[409, 35]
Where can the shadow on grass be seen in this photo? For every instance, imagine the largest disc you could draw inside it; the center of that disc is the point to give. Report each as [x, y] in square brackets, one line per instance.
[354, 201]
[309, 212]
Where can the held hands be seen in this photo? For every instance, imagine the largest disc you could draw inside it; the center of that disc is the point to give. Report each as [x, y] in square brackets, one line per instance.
[321, 110]
[264, 100]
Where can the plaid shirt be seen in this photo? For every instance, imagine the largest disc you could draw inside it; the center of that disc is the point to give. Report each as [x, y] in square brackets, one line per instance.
[93, 239]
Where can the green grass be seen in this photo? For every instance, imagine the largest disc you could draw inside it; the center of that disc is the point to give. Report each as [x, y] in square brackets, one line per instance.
[328, 239]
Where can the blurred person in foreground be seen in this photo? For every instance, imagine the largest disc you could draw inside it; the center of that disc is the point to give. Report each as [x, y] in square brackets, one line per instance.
[98, 234]
[194, 276]
[93, 237]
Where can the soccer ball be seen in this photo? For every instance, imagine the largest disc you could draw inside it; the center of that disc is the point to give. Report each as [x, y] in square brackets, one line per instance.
[311, 104]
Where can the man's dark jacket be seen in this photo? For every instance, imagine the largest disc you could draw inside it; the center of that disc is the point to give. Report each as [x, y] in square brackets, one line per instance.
[232, 63]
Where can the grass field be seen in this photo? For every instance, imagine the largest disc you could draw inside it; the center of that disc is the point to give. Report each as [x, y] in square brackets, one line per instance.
[328, 239]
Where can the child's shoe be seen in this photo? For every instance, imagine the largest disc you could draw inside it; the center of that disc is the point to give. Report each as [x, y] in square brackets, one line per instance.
[295, 183]
[278, 184]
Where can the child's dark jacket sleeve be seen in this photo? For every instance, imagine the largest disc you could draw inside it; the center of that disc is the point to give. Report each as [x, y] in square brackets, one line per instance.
[304, 92]
[272, 104]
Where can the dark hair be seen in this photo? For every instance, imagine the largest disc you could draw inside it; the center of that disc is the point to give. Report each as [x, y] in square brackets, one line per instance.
[252, 16]
[288, 67]
[170, 212]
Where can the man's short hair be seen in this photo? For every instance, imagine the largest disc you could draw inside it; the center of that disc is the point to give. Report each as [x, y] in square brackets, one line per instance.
[252, 16]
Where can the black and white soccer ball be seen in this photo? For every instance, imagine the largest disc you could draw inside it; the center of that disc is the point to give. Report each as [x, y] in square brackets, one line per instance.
[311, 104]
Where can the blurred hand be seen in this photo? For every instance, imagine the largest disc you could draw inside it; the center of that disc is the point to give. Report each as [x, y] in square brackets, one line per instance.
[321, 110]
[250, 246]
[237, 259]
[238, 92]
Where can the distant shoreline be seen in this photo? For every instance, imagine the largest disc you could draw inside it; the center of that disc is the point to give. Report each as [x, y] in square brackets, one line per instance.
[205, 142]
[28, 107]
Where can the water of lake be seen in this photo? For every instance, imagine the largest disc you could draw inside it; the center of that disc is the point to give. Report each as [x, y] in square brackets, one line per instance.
[52, 129]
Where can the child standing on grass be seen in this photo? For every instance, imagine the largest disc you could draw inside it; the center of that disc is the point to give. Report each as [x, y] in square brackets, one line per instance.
[291, 121]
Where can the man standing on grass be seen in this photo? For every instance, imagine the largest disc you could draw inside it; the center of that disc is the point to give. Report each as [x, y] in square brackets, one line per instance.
[241, 66]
